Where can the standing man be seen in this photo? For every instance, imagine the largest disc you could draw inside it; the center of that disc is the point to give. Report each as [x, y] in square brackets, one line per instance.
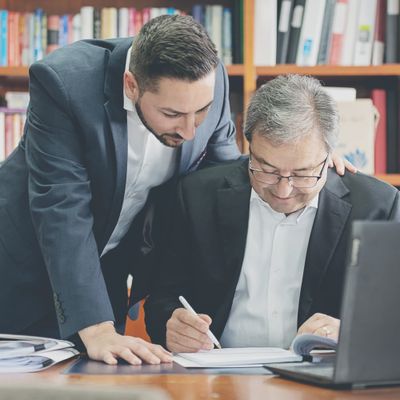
[258, 247]
[107, 122]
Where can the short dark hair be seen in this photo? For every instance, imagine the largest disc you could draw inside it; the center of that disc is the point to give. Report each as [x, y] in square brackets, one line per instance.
[171, 46]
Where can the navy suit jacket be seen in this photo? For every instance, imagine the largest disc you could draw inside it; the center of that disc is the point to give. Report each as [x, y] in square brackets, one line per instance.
[61, 191]
[204, 259]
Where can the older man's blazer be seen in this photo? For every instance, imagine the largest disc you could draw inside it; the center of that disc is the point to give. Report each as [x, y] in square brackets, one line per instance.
[61, 191]
[204, 258]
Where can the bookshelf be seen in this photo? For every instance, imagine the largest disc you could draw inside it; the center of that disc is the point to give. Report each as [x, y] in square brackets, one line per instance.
[244, 77]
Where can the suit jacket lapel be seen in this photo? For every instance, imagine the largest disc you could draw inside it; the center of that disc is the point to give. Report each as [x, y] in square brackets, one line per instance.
[116, 114]
[332, 214]
[233, 215]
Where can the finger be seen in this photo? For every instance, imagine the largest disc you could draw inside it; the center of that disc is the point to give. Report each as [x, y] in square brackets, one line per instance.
[316, 321]
[164, 355]
[190, 342]
[206, 318]
[338, 163]
[178, 347]
[108, 358]
[144, 353]
[350, 167]
[182, 328]
[193, 320]
[126, 354]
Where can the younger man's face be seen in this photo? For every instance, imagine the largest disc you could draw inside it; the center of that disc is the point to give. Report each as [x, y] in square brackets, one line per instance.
[176, 109]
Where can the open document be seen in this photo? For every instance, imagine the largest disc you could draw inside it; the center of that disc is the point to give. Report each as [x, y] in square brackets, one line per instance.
[32, 353]
[237, 357]
[302, 345]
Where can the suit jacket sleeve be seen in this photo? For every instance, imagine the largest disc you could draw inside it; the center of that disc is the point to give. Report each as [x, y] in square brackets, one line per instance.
[173, 274]
[222, 144]
[60, 199]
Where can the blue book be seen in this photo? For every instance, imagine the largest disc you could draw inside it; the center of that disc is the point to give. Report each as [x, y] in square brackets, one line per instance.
[63, 38]
[37, 35]
[3, 38]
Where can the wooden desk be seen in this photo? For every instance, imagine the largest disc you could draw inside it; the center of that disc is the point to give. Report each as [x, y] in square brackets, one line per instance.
[218, 387]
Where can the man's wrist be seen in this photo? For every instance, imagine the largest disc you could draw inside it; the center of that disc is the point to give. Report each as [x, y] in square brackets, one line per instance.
[93, 330]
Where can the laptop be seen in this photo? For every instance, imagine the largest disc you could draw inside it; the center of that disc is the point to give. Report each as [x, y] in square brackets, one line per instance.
[368, 351]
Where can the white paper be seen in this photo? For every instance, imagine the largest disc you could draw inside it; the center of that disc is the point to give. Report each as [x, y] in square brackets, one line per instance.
[235, 357]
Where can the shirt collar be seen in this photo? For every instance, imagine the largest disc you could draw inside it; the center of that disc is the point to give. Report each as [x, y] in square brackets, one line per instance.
[128, 104]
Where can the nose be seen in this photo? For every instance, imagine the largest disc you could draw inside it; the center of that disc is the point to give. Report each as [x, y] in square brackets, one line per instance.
[283, 188]
[187, 128]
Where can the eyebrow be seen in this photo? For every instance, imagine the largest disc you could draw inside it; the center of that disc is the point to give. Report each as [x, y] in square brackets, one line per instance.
[262, 161]
[171, 110]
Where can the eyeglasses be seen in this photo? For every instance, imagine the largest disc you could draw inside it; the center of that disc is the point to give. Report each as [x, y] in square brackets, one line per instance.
[297, 181]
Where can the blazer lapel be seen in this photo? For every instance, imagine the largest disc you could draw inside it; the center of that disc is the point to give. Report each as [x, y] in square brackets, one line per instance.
[117, 120]
[233, 215]
[332, 215]
[116, 114]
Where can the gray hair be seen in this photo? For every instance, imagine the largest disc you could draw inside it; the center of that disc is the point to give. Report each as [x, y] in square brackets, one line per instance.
[290, 107]
[171, 46]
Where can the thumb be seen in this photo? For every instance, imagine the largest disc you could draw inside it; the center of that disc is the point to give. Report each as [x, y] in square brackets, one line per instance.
[205, 318]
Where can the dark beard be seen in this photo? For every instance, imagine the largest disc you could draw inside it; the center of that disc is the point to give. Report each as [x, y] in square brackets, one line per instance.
[163, 137]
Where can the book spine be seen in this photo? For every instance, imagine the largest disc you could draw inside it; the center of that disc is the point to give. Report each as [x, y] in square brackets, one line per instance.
[365, 33]
[123, 22]
[87, 22]
[282, 44]
[265, 32]
[310, 34]
[378, 97]
[338, 29]
[392, 31]
[227, 36]
[295, 29]
[3, 38]
[326, 33]
[378, 45]
[2, 136]
[53, 31]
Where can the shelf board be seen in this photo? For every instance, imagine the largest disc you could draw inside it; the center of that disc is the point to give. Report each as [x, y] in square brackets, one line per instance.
[235, 69]
[331, 70]
[20, 72]
[393, 179]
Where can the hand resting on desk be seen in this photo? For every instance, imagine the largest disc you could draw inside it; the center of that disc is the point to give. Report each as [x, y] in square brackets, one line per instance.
[103, 343]
[322, 325]
[187, 333]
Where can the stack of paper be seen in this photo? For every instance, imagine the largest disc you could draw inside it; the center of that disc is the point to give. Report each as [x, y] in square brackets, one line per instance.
[32, 353]
[237, 357]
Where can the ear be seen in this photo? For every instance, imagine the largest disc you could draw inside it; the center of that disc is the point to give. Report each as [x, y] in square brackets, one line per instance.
[131, 86]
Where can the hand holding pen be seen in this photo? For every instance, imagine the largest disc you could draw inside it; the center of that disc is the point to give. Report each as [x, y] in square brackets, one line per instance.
[188, 331]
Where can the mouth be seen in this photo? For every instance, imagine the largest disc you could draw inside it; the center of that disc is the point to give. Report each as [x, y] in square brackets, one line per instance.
[282, 198]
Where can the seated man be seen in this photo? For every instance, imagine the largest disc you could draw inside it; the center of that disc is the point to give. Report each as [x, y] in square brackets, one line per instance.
[258, 247]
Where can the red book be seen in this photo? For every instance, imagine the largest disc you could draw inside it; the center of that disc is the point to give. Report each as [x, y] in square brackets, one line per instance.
[378, 97]
[379, 34]
[9, 134]
[132, 21]
[338, 28]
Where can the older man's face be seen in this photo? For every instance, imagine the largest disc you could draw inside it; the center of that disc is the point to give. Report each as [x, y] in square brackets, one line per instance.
[307, 158]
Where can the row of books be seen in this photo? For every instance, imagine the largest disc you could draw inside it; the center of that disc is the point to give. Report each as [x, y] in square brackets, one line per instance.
[27, 37]
[369, 128]
[334, 32]
[12, 121]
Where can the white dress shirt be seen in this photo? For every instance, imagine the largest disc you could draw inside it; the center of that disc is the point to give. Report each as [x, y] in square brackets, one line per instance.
[266, 300]
[150, 163]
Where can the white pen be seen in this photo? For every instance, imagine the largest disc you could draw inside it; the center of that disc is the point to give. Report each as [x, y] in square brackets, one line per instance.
[190, 309]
